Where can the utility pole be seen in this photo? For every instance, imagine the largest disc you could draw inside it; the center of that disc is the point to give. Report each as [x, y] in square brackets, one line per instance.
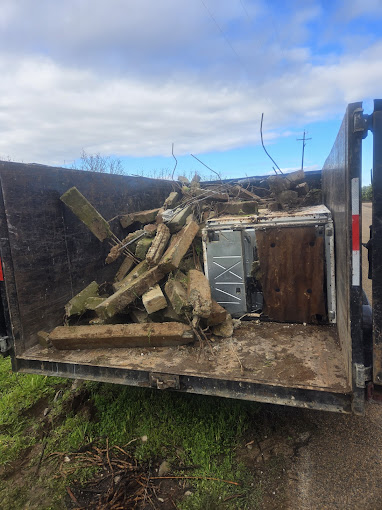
[303, 140]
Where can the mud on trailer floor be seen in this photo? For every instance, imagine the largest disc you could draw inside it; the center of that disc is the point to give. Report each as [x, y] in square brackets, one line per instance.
[286, 355]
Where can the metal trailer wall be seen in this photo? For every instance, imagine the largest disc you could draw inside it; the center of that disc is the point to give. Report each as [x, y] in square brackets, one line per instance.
[377, 241]
[341, 185]
[48, 255]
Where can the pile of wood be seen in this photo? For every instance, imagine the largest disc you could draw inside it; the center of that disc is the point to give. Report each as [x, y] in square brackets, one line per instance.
[290, 191]
[160, 294]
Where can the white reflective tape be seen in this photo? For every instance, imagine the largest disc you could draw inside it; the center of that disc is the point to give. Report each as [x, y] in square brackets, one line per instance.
[356, 254]
[356, 271]
[355, 196]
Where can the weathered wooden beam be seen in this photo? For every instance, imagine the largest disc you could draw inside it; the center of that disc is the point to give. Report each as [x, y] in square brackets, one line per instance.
[199, 293]
[121, 335]
[127, 293]
[77, 305]
[218, 314]
[153, 300]
[142, 217]
[138, 270]
[156, 250]
[179, 246]
[177, 296]
[125, 267]
[85, 212]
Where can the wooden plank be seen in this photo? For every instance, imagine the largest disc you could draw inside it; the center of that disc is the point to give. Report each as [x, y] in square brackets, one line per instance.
[121, 335]
[292, 273]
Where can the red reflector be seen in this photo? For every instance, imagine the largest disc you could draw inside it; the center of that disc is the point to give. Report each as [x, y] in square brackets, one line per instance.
[355, 232]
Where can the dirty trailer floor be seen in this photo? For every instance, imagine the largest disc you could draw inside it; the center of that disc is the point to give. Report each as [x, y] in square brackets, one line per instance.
[290, 355]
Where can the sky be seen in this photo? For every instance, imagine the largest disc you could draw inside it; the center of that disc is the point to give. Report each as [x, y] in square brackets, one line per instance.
[129, 78]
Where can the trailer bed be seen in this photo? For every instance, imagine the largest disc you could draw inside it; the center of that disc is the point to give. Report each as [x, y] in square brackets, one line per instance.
[286, 355]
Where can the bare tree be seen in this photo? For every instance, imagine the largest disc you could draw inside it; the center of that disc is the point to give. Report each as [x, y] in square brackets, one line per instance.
[99, 163]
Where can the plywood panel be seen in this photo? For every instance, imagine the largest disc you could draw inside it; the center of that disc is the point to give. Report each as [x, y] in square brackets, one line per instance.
[292, 273]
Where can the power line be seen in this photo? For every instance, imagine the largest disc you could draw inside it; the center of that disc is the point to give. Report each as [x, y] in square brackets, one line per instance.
[245, 10]
[225, 37]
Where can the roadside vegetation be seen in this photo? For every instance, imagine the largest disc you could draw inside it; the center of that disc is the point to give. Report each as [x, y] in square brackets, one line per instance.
[367, 193]
[45, 424]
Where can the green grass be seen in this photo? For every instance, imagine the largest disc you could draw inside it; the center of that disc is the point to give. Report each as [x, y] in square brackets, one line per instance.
[18, 394]
[198, 432]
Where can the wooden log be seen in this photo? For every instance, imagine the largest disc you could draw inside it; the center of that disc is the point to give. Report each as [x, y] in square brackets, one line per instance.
[121, 335]
[85, 212]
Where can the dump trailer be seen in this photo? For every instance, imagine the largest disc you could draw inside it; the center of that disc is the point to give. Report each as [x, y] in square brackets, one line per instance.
[48, 256]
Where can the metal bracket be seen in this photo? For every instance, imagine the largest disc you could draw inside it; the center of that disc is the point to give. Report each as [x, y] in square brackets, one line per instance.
[164, 381]
[5, 344]
[362, 375]
[362, 123]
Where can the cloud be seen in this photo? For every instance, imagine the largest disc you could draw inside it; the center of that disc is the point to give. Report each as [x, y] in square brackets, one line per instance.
[125, 78]
[49, 112]
[352, 9]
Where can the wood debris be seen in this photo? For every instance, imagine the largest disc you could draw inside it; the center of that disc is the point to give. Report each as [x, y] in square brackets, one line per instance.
[149, 290]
